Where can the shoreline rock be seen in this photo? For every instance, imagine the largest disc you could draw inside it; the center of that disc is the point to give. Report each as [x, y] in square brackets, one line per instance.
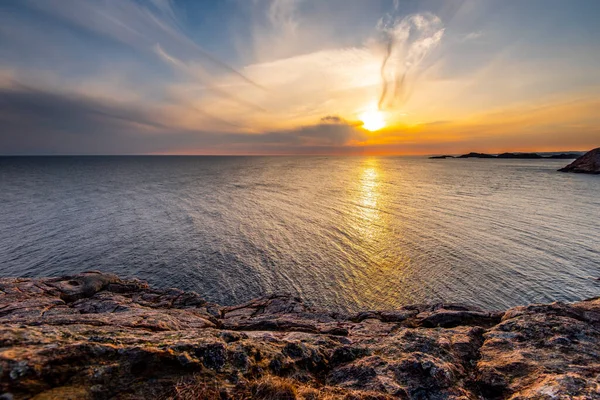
[97, 336]
[589, 163]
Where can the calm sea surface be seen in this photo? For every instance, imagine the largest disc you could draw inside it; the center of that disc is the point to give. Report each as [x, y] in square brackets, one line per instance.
[342, 232]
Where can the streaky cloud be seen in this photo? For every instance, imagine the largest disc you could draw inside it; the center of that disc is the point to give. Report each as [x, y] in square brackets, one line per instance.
[407, 42]
[202, 76]
[132, 23]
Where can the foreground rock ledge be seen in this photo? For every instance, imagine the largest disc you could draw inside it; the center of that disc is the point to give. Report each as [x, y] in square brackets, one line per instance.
[98, 336]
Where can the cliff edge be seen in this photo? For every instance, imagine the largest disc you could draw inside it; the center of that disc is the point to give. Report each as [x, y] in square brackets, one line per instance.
[97, 336]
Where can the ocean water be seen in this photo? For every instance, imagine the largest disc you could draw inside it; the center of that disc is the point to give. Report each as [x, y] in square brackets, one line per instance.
[347, 233]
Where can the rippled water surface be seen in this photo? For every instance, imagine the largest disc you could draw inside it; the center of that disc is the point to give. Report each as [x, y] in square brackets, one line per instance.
[342, 232]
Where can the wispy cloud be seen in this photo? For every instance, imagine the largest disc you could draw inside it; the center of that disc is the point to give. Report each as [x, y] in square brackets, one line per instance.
[139, 26]
[282, 16]
[472, 36]
[407, 42]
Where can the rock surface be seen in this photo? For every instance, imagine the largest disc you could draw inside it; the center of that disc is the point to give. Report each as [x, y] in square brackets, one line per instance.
[588, 163]
[96, 336]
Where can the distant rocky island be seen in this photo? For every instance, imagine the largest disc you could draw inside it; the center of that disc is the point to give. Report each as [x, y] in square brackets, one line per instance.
[98, 336]
[562, 156]
[588, 163]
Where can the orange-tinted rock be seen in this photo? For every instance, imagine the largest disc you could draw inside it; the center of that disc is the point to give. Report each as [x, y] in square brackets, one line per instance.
[105, 337]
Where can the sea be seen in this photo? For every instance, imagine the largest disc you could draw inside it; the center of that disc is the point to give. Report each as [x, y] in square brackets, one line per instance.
[343, 233]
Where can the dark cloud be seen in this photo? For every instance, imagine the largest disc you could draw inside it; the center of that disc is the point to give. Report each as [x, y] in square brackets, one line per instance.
[36, 121]
[334, 119]
[64, 111]
[323, 134]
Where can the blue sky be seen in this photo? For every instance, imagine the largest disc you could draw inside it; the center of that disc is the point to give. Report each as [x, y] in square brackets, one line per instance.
[298, 76]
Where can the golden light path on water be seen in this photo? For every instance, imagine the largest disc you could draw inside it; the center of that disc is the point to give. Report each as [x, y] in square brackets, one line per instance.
[369, 194]
[372, 224]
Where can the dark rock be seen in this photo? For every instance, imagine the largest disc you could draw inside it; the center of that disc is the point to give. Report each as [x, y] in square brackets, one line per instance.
[440, 157]
[185, 359]
[365, 315]
[240, 361]
[189, 299]
[520, 155]
[294, 350]
[564, 156]
[345, 354]
[527, 156]
[452, 318]
[589, 163]
[82, 286]
[127, 287]
[213, 355]
[397, 316]
[476, 155]
[229, 337]
[334, 330]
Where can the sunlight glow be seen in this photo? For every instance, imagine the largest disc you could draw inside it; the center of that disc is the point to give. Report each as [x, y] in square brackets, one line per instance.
[368, 193]
[372, 120]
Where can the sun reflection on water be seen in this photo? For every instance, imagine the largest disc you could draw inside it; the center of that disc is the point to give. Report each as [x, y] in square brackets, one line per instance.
[378, 241]
[368, 198]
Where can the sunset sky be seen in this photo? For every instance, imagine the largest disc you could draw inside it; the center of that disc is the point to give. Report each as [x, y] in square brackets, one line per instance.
[298, 76]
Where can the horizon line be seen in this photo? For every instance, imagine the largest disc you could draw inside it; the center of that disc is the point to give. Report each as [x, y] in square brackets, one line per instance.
[284, 154]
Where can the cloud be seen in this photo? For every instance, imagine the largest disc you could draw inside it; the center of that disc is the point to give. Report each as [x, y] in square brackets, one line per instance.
[298, 91]
[281, 14]
[136, 25]
[36, 121]
[332, 119]
[472, 36]
[407, 42]
[200, 76]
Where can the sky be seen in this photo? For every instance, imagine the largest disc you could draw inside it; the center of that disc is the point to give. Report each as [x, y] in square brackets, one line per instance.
[347, 77]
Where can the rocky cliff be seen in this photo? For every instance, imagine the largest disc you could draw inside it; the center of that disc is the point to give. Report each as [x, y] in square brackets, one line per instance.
[588, 163]
[96, 336]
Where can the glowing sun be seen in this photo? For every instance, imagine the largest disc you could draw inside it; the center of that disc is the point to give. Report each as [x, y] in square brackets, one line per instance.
[372, 120]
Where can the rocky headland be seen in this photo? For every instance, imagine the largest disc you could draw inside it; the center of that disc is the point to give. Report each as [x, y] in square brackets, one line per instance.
[589, 163]
[97, 336]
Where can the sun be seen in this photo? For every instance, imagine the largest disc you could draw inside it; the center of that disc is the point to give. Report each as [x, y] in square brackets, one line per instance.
[372, 120]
